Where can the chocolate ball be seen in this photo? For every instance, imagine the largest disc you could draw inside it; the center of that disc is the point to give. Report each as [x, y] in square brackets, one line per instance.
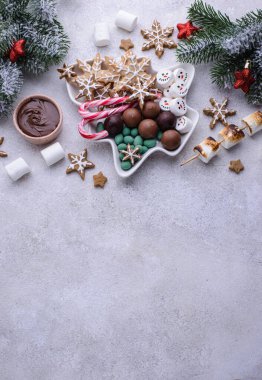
[132, 117]
[151, 110]
[171, 139]
[148, 129]
[166, 120]
[114, 125]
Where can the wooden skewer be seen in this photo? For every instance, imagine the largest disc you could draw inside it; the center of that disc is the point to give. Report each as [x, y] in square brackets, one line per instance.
[190, 159]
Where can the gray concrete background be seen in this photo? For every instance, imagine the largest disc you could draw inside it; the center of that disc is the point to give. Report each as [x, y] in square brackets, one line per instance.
[156, 277]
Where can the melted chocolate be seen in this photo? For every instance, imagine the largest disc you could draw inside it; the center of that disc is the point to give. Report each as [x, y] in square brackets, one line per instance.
[38, 117]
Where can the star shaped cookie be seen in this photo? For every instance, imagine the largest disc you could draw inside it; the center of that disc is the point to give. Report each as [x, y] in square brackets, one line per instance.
[219, 112]
[67, 72]
[126, 44]
[79, 163]
[236, 166]
[131, 154]
[99, 180]
[2, 154]
[158, 38]
[87, 86]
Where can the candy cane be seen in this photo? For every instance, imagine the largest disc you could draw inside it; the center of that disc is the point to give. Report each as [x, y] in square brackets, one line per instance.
[88, 115]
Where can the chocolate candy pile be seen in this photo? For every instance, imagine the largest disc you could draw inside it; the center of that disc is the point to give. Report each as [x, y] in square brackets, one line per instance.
[136, 131]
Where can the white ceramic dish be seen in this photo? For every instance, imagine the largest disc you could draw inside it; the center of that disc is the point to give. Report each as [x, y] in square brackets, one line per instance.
[191, 114]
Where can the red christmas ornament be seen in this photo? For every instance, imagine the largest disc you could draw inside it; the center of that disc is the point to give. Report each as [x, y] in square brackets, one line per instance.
[17, 50]
[244, 78]
[186, 30]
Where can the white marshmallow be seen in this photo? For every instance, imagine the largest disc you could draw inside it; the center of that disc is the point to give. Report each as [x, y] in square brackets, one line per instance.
[207, 149]
[180, 74]
[53, 154]
[253, 123]
[101, 34]
[126, 21]
[166, 92]
[17, 169]
[165, 78]
[178, 106]
[164, 104]
[230, 136]
[178, 89]
[184, 124]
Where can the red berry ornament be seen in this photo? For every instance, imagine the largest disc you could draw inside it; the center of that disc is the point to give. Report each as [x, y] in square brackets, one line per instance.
[186, 30]
[244, 78]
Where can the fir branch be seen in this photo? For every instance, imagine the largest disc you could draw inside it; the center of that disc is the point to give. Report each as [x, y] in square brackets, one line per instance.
[11, 80]
[43, 9]
[254, 95]
[222, 72]
[207, 17]
[244, 39]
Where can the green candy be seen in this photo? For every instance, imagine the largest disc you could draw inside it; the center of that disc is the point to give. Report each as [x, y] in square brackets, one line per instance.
[138, 140]
[128, 139]
[144, 149]
[150, 143]
[126, 165]
[126, 131]
[140, 148]
[121, 156]
[159, 135]
[100, 127]
[134, 132]
[121, 147]
[119, 139]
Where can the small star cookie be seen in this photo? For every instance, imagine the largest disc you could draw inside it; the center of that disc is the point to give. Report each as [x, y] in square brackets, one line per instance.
[218, 112]
[131, 154]
[126, 44]
[67, 72]
[158, 38]
[2, 154]
[236, 166]
[79, 163]
[99, 180]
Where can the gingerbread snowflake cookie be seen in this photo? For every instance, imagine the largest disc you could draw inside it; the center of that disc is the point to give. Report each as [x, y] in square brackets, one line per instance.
[158, 38]
[219, 112]
[67, 72]
[79, 163]
[130, 154]
[141, 91]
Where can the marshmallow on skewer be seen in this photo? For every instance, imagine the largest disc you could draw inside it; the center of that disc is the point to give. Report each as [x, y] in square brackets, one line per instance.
[230, 135]
[178, 106]
[207, 149]
[184, 124]
[126, 21]
[253, 122]
[165, 78]
[101, 34]
[17, 169]
[53, 153]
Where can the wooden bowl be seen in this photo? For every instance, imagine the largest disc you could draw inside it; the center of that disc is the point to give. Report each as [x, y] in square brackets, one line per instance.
[42, 139]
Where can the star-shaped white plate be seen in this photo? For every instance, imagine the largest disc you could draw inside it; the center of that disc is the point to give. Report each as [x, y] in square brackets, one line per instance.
[191, 114]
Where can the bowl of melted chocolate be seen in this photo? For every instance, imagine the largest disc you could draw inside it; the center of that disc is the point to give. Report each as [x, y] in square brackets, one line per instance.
[39, 119]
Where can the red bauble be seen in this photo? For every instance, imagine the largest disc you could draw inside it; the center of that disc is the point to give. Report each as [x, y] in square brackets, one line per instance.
[186, 30]
[244, 79]
[17, 50]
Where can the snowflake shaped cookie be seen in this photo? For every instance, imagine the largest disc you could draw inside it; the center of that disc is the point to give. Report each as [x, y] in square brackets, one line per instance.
[141, 91]
[87, 86]
[133, 69]
[158, 38]
[79, 163]
[131, 154]
[219, 112]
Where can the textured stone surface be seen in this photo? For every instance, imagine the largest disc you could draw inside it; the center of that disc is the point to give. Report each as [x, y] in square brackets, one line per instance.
[157, 277]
